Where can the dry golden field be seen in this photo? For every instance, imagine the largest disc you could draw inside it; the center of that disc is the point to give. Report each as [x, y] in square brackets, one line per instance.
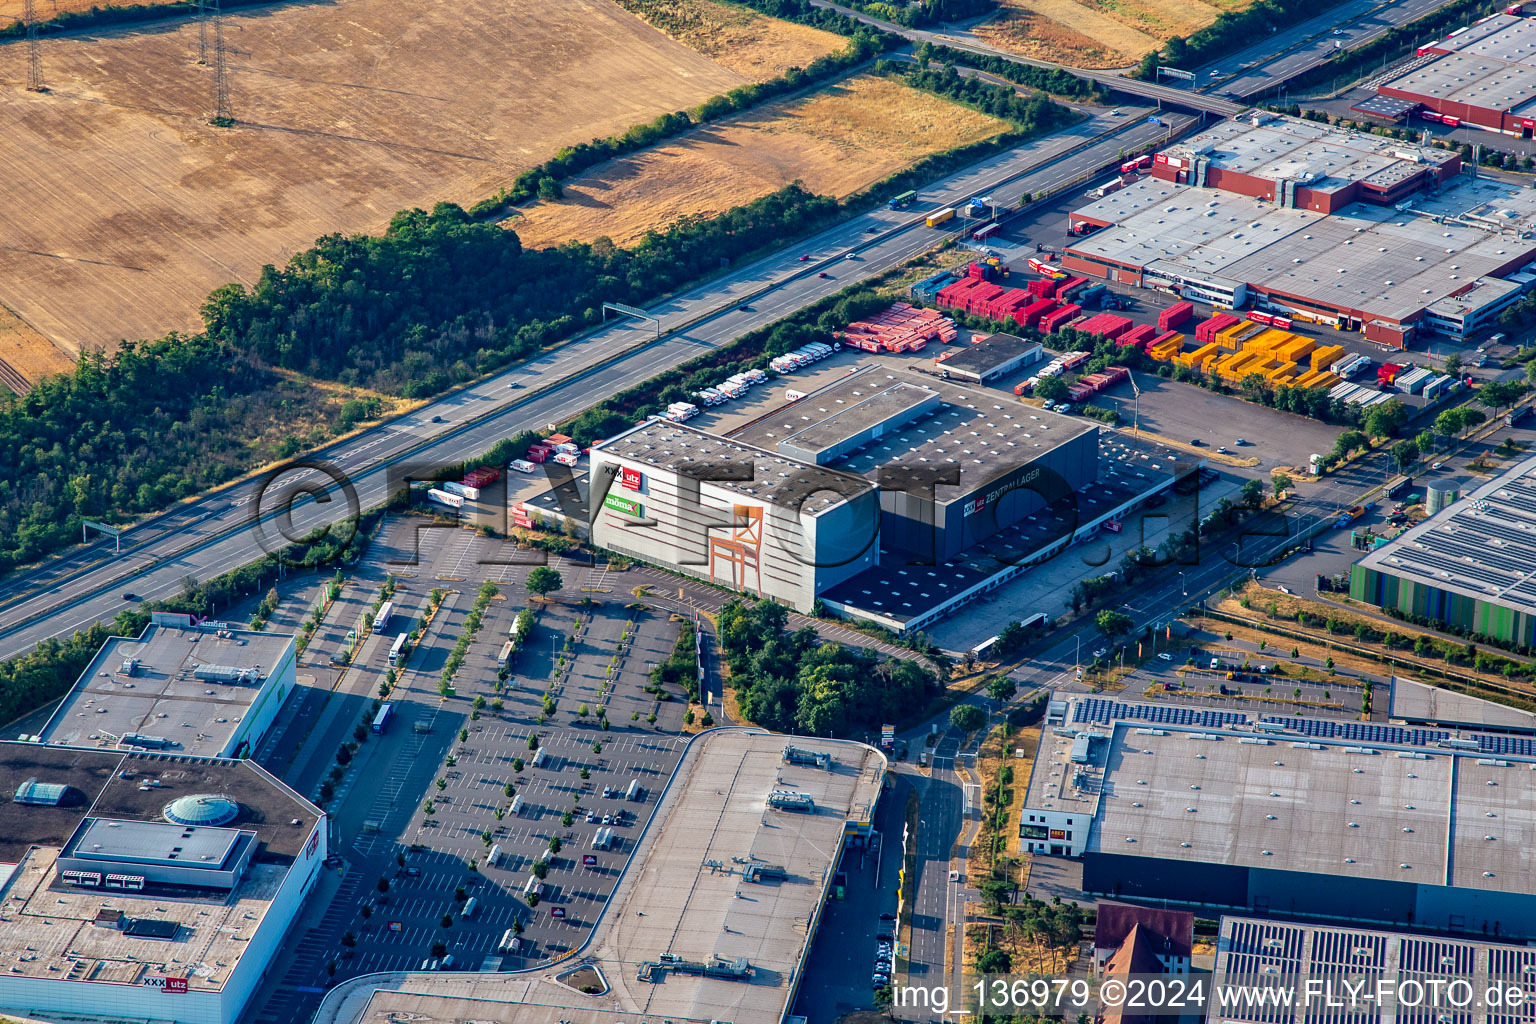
[748, 43]
[27, 352]
[120, 208]
[1097, 33]
[835, 141]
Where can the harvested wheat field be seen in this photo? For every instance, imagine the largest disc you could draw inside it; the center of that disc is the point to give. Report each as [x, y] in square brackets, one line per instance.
[27, 353]
[748, 43]
[1097, 33]
[835, 141]
[120, 209]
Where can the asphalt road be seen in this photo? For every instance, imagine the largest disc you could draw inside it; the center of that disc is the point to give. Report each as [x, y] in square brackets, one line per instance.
[237, 525]
[959, 39]
[1285, 55]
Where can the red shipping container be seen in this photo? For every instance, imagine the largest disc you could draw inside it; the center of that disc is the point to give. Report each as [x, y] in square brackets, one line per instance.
[1056, 318]
[1174, 315]
[1137, 336]
[1030, 315]
[1208, 328]
[977, 298]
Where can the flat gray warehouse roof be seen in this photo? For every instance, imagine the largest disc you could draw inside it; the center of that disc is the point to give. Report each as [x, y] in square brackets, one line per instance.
[672, 900]
[835, 418]
[177, 690]
[1413, 701]
[775, 479]
[1233, 794]
[1318, 156]
[1387, 262]
[1491, 64]
[995, 355]
[1483, 546]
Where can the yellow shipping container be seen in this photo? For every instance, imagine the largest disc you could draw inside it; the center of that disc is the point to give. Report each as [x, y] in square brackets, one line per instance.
[1295, 349]
[1324, 357]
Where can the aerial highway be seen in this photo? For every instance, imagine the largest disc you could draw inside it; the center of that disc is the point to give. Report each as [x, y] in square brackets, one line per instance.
[1267, 66]
[235, 526]
[1109, 79]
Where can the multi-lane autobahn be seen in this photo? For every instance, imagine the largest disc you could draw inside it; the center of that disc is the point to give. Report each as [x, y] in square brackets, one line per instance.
[237, 524]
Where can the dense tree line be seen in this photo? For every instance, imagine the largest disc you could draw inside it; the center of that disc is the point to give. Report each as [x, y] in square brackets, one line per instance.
[926, 12]
[440, 298]
[793, 683]
[1054, 81]
[1029, 114]
[103, 17]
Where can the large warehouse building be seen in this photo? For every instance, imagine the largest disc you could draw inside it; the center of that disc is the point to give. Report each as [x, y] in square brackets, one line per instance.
[837, 495]
[1288, 956]
[210, 689]
[1320, 224]
[145, 887]
[692, 935]
[1471, 565]
[1290, 816]
[1481, 76]
[731, 513]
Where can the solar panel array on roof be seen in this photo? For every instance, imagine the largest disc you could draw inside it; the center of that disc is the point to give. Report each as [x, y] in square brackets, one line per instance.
[1098, 709]
[1364, 732]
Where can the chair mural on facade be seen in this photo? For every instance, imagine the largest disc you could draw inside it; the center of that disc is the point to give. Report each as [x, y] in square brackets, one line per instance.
[741, 550]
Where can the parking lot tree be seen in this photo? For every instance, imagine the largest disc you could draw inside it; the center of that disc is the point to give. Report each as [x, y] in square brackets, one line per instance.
[1113, 623]
[1349, 441]
[479, 701]
[442, 784]
[517, 926]
[400, 859]
[543, 580]
[597, 748]
[1496, 394]
[967, 717]
[1453, 363]
[428, 808]
[439, 950]
[517, 766]
[567, 818]
[1253, 493]
[326, 791]
[366, 910]
[1001, 688]
[533, 899]
[461, 894]
[382, 884]
[533, 741]
[1051, 389]
[463, 735]
[554, 844]
[1386, 419]
[330, 968]
[447, 921]
[583, 711]
[586, 773]
[348, 939]
[498, 705]
[605, 724]
[540, 868]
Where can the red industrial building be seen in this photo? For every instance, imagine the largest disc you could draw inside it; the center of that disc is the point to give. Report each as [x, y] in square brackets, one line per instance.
[1482, 76]
[1319, 225]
